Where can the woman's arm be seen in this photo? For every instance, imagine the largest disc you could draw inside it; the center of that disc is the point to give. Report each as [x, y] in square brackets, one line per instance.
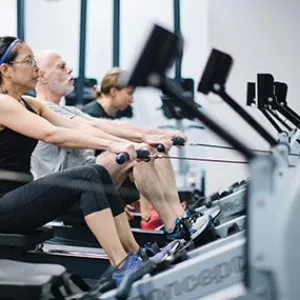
[14, 116]
[57, 119]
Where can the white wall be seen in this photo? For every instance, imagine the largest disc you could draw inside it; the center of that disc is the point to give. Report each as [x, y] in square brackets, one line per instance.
[8, 20]
[54, 25]
[99, 38]
[137, 19]
[262, 36]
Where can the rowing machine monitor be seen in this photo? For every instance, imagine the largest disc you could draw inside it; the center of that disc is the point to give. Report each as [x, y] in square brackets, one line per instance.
[157, 57]
[216, 72]
[250, 93]
[172, 111]
[281, 89]
[265, 90]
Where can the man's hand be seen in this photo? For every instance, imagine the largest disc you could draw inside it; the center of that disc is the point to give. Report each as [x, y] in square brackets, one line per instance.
[128, 148]
[176, 133]
[154, 140]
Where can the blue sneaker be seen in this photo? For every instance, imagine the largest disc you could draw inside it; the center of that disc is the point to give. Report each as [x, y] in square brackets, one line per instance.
[150, 249]
[156, 254]
[165, 251]
[132, 261]
[188, 228]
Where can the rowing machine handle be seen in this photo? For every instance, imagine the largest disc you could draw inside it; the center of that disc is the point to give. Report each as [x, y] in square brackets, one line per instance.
[140, 154]
[177, 141]
[125, 287]
[161, 148]
[143, 154]
[122, 158]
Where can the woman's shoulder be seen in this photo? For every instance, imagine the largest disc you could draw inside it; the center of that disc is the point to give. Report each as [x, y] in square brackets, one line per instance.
[34, 103]
[7, 102]
[4, 97]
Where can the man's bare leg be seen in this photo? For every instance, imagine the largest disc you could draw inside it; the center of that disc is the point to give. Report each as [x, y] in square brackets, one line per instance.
[167, 180]
[145, 208]
[147, 180]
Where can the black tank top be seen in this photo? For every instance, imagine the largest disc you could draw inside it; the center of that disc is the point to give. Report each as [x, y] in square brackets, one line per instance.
[15, 154]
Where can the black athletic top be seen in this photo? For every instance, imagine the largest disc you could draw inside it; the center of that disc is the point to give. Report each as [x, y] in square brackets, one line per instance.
[95, 110]
[15, 153]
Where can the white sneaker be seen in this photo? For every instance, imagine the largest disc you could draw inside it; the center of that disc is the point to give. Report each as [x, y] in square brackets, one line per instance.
[198, 225]
[189, 227]
[214, 212]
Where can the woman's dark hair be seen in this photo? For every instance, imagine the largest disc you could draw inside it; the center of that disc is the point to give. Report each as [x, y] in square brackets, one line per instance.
[5, 42]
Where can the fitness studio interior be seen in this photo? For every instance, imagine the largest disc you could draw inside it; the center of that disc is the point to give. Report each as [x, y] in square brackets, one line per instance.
[149, 149]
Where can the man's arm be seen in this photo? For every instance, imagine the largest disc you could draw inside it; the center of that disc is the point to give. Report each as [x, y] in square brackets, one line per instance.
[115, 127]
[127, 130]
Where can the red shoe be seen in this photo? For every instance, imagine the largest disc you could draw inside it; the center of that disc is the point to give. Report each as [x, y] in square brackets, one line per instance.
[154, 222]
[183, 204]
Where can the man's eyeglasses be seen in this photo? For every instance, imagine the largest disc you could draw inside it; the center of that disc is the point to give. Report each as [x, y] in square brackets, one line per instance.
[31, 62]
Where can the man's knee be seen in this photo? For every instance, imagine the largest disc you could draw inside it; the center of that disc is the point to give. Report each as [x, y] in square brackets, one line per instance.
[105, 157]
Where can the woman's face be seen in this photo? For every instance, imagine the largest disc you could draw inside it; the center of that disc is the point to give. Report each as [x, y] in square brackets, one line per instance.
[123, 98]
[23, 70]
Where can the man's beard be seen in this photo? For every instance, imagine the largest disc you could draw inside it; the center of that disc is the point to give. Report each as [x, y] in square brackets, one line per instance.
[60, 88]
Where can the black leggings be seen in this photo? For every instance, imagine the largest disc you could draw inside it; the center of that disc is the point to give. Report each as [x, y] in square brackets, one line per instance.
[41, 201]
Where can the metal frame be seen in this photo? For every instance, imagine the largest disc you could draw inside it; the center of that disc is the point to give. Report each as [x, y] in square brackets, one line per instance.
[116, 34]
[246, 116]
[82, 51]
[230, 205]
[277, 117]
[271, 120]
[287, 113]
[177, 29]
[21, 19]
[182, 165]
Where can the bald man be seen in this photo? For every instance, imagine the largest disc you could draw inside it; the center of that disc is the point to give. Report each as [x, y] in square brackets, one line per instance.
[155, 179]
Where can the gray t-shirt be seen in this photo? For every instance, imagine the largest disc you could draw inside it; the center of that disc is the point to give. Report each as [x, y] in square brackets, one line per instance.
[47, 158]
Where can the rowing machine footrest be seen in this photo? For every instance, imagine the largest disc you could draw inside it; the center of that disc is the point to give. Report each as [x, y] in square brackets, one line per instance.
[233, 229]
[207, 236]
